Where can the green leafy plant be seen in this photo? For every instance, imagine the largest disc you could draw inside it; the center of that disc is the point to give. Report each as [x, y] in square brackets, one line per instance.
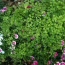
[40, 27]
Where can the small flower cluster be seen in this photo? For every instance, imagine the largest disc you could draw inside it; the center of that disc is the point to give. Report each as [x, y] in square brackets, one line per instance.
[35, 62]
[29, 6]
[1, 38]
[3, 10]
[1, 51]
[56, 54]
[62, 60]
[58, 63]
[63, 43]
[13, 45]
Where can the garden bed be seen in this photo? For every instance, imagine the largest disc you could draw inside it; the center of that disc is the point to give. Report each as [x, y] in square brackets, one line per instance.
[33, 31]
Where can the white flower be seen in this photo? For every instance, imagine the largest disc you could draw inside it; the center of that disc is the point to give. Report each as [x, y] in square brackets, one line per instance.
[1, 43]
[2, 52]
[19, 2]
[1, 37]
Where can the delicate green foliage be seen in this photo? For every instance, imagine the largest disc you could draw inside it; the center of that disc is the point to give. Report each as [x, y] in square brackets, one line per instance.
[40, 26]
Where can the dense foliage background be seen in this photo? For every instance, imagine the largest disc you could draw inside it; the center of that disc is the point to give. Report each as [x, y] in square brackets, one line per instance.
[40, 27]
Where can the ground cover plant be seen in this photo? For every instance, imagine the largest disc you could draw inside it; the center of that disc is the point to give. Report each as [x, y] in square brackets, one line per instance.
[34, 29]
